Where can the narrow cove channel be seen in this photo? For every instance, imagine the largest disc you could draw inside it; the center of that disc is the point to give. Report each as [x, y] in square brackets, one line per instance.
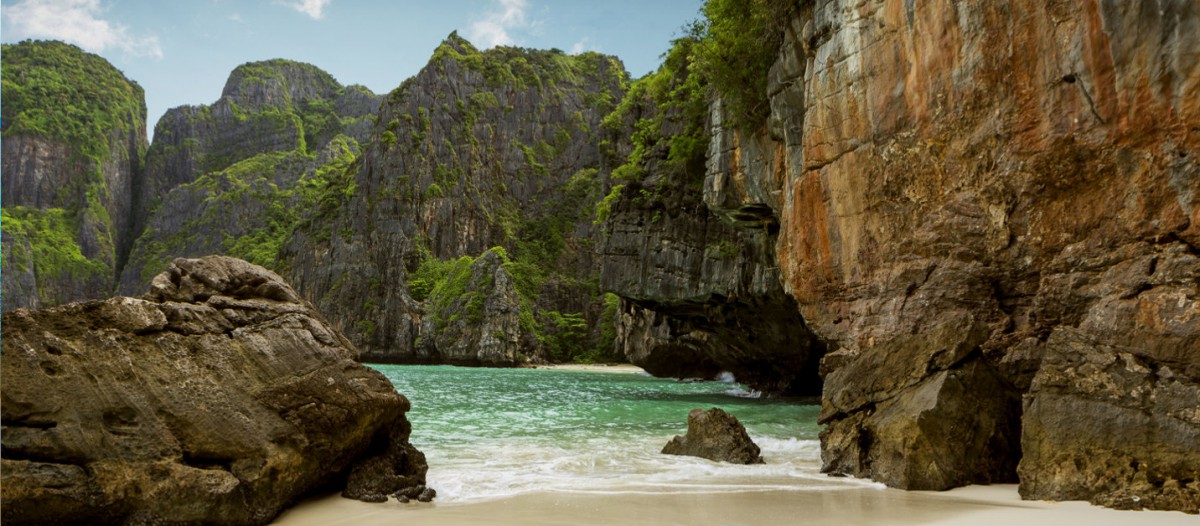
[494, 433]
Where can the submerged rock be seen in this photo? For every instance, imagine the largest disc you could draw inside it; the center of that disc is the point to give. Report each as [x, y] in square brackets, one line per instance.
[715, 435]
[217, 398]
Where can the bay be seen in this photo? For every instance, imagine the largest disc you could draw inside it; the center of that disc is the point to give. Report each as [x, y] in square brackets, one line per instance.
[495, 433]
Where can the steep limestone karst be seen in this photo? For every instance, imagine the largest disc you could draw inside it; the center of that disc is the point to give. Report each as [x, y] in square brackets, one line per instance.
[246, 210]
[234, 177]
[473, 316]
[73, 141]
[480, 149]
[986, 212]
[699, 286]
[219, 397]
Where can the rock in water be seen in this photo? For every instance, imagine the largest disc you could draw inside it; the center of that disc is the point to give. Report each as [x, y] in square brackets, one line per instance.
[715, 435]
[217, 398]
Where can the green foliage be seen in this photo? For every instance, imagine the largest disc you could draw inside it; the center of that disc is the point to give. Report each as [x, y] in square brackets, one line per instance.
[366, 328]
[388, 139]
[452, 289]
[429, 273]
[283, 207]
[251, 75]
[54, 252]
[519, 68]
[562, 334]
[57, 91]
[739, 42]
[668, 111]
[604, 207]
[319, 121]
[434, 191]
[603, 348]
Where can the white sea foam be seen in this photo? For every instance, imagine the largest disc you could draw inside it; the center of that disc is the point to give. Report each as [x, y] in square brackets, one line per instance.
[499, 470]
[491, 434]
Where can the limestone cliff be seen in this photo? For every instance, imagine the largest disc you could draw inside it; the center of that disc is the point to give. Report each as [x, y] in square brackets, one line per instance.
[986, 211]
[480, 149]
[73, 143]
[699, 285]
[219, 397]
[234, 177]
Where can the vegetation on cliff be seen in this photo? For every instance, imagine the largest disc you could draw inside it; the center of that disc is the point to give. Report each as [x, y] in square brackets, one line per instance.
[663, 116]
[66, 212]
[247, 210]
[482, 149]
[738, 42]
[47, 245]
[57, 91]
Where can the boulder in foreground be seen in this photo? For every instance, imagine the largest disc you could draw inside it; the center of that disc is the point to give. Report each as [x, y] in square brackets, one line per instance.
[715, 435]
[218, 398]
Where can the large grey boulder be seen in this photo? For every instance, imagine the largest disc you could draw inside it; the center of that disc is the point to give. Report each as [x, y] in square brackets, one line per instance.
[217, 398]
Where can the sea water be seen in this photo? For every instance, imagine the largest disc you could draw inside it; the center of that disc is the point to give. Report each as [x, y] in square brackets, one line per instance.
[494, 433]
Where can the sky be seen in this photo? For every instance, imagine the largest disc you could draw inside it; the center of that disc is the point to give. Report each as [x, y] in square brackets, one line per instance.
[181, 51]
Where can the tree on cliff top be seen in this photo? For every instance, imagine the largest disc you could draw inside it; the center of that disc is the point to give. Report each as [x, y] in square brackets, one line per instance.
[738, 43]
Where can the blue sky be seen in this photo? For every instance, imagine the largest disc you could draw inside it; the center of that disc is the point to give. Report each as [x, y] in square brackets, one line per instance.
[181, 51]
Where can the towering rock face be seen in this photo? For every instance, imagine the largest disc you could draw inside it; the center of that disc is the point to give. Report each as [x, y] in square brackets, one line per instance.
[235, 177]
[699, 285]
[987, 212]
[480, 149]
[74, 139]
[217, 398]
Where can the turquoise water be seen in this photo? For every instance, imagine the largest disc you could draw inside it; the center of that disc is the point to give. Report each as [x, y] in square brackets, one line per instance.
[492, 433]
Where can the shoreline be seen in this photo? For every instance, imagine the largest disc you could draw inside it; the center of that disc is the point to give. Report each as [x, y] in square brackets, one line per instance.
[979, 505]
[624, 368]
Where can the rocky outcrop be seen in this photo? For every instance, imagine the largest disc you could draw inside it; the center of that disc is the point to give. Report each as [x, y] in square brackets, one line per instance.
[217, 398]
[474, 318]
[1105, 423]
[270, 106]
[699, 284]
[478, 150]
[700, 296]
[246, 210]
[986, 212]
[715, 435]
[74, 138]
[277, 124]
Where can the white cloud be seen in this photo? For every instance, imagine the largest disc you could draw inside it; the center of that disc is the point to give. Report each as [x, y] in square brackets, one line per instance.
[581, 46]
[493, 29]
[313, 8]
[80, 22]
[236, 17]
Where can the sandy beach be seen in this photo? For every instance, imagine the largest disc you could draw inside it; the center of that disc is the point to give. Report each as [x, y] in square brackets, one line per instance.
[593, 367]
[976, 505]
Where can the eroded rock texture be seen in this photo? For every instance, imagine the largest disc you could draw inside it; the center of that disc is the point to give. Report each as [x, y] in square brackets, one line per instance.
[700, 288]
[987, 211]
[235, 176]
[217, 398]
[715, 435]
[476, 321]
[477, 150]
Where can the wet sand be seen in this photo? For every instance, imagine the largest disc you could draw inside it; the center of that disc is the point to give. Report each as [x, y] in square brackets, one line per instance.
[975, 505]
